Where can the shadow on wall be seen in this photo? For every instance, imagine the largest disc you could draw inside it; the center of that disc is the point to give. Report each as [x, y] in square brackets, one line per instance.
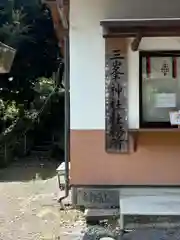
[22, 172]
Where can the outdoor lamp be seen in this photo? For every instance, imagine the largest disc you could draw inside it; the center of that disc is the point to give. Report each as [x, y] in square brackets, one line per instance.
[7, 55]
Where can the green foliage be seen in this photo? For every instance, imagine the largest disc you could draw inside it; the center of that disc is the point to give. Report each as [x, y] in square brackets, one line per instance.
[30, 30]
[2, 108]
[15, 30]
[8, 110]
[11, 111]
[44, 86]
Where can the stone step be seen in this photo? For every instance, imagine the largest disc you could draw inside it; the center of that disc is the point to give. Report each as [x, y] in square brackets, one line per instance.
[101, 214]
[43, 140]
[42, 148]
[29, 159]
[47, 142]
[148, 206]
[40, 152]
[44, 143]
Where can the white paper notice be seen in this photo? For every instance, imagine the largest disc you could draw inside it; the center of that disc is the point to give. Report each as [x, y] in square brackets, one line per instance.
[175, 118]
[165, 100]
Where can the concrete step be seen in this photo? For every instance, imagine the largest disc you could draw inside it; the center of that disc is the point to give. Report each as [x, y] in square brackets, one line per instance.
[107, 198]
[132, 222]
[139, 222]
[150, 205]
[145, 202]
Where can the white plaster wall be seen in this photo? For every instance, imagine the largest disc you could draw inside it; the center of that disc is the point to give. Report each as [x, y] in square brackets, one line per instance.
[87, 55]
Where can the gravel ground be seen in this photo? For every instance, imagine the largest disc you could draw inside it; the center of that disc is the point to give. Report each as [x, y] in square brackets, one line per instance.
[29, 210]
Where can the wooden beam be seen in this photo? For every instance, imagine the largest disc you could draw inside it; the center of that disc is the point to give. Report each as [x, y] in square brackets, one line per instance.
[144, 34]
[135, 43]
[135, 32]
[60, 15]
[62, 8]
[141, 23]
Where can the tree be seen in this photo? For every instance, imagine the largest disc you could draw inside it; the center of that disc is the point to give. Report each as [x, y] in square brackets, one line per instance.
[14, 32]
[30, 30]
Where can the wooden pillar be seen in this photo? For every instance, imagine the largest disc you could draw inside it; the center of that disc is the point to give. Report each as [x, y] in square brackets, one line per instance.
[58, 21]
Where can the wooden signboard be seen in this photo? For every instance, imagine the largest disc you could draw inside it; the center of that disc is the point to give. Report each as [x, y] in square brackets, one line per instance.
[116, 96]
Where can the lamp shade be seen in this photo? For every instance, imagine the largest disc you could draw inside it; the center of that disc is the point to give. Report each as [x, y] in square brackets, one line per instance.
[7, 55]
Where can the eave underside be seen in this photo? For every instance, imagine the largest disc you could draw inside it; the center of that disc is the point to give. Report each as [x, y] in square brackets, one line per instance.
[144, 27]
[139, 28]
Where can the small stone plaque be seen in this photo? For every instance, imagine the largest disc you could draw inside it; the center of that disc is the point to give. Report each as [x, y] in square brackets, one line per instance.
[97, 198]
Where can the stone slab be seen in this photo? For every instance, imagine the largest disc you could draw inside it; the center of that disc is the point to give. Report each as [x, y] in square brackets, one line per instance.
[109, 198]
[97, 198]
